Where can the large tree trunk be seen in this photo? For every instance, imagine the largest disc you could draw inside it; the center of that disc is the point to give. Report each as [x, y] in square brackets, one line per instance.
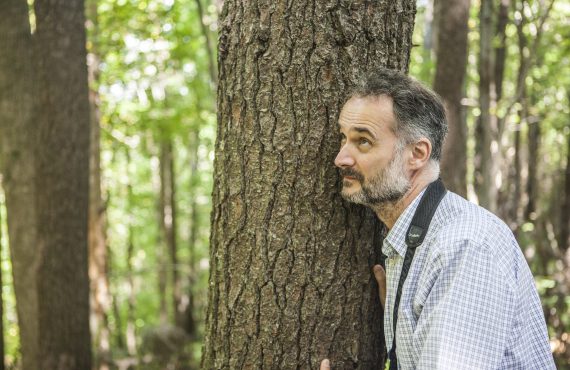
[17, 138]
[291, 279]
[449, 78]
[62, 183]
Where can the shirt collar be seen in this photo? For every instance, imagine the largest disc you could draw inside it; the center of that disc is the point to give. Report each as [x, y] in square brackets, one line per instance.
[395, 241]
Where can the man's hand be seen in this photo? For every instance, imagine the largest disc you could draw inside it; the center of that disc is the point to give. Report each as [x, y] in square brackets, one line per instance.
[380, 276]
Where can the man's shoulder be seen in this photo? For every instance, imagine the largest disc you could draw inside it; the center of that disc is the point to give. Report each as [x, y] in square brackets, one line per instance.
[460, 225]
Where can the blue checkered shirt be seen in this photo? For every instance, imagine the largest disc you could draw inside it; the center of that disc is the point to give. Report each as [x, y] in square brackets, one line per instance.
[469, 301]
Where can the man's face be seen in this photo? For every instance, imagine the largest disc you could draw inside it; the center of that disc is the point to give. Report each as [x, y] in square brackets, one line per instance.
[371, 159]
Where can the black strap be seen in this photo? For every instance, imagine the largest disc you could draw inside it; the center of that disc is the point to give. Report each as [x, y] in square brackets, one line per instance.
[414, 238]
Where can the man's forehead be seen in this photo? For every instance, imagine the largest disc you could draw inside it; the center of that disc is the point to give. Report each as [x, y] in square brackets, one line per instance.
[374, 111]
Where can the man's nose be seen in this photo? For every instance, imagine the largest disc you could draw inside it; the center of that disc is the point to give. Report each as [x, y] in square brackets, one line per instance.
[343, 158]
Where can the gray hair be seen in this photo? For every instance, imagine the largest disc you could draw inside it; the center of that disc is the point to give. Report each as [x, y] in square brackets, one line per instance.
[418, 110]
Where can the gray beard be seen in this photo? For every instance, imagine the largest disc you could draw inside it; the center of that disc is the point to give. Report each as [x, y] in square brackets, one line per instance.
[387, 186]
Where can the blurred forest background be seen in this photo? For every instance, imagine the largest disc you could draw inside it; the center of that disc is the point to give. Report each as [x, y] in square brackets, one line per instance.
[152, 88]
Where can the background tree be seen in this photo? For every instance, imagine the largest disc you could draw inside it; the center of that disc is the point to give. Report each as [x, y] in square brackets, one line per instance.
[451, 65]
[100, 297]
[17, 119]
[41, 74]
[291, 279]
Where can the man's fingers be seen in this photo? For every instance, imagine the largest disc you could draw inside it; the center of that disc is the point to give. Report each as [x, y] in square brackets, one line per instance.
[325, 364]
[380, 276]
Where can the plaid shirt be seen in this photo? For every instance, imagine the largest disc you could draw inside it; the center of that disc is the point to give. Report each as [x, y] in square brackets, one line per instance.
[469, 301]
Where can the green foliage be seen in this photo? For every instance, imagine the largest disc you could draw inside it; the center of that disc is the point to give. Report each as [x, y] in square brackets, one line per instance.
[154, 85]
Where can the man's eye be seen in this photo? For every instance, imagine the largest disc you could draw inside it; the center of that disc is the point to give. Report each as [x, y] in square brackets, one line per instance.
[363, 141]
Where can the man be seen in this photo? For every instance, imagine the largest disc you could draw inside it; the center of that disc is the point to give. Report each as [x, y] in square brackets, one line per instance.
[469, 299]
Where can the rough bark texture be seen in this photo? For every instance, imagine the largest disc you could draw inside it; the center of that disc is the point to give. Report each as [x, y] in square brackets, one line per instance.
[17, 128]
[62, 181]
[449, 78]
[291, 279]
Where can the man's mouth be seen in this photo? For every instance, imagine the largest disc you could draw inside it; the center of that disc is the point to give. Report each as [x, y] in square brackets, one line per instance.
[351, 175]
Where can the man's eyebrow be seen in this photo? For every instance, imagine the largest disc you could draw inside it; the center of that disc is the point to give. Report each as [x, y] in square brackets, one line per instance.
[364, 130]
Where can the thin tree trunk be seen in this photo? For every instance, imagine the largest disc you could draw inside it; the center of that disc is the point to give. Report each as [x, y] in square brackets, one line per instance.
[515, 189]
[487, 145]
[164, 254]
[17, 140]
[430, 26]
[2, 354]
[209, 49]
[168, 224]
[98, 257]
[194, 229]
[290, 280]
[118, 327]
[131, 299]
[449, 83]
[533, 140]
[501, 49]
[565, 213]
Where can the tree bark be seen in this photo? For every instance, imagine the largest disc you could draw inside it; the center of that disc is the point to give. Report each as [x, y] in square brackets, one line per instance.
[62, 183]
[45, 142]
[290, 280]
[18, 125]
[449, 80]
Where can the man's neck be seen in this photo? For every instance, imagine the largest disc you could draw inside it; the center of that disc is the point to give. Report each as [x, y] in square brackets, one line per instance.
[389, 212]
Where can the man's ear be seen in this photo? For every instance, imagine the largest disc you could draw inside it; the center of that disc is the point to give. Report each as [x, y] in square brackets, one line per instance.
[421, 152]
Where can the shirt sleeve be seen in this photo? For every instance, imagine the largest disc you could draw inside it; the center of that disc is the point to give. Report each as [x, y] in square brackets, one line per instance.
[472, 304]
